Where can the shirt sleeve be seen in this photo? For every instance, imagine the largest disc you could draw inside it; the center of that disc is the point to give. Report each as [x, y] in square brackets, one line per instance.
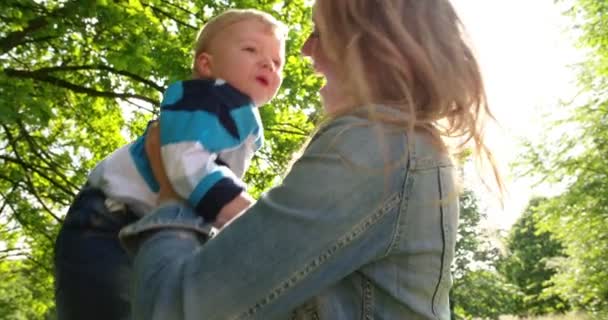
[200, 119]
[327, 219]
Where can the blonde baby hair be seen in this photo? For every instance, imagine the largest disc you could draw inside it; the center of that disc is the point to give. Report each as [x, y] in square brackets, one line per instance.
[227, 18]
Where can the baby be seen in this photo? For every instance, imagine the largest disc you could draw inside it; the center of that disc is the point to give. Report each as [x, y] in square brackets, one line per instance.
[209, 126]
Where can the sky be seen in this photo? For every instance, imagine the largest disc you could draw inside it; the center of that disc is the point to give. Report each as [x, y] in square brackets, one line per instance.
[526, 50]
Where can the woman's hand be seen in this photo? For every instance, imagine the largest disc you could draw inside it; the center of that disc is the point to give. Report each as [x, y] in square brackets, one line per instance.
[152, 146]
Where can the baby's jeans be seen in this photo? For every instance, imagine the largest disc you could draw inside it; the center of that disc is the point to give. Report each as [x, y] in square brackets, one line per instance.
[92, 270]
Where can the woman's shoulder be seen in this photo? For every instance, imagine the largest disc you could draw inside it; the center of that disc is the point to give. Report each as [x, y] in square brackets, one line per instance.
[354, 135]
[359, 140]
[359, 120]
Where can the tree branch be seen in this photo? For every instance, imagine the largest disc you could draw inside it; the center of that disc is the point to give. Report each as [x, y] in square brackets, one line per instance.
[40, 39]
[39, 264]
[13, 255]
[102, 68]
[167, 15]
[178, 7]
[18, 160]
[17, 216]
[152, 111]
[299, 133]
[41, 154]
[12, 181]
[29, 167]
[16, 38]
[40, 76]
[10, 250]
[290, 125]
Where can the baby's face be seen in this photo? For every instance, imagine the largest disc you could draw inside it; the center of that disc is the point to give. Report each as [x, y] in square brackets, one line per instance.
[250, 56]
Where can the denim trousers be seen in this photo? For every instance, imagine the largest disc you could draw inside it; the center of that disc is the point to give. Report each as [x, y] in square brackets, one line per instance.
[92, 270]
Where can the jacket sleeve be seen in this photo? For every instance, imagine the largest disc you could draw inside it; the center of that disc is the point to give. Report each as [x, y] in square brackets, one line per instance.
[200, 119]
[327, 219]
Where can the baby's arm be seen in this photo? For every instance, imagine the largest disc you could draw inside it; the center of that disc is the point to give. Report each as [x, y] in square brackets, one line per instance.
[195, 126]
[152, 147]
[233, 209]
[167, 194]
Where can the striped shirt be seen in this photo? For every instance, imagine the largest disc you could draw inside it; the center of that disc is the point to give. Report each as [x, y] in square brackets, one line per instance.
[209, 132]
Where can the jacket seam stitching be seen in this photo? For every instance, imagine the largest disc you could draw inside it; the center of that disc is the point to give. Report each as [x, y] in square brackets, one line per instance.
[313, 265]
[403, 204]
[441, 217]
[367, 312]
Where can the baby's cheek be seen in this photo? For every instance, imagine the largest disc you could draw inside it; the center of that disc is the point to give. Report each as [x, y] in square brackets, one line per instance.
[278, 82]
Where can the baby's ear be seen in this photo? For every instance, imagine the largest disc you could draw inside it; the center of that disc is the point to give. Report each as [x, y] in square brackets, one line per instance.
[203, 64]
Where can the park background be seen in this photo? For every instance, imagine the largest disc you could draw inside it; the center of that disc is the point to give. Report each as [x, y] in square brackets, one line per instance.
[80, 78]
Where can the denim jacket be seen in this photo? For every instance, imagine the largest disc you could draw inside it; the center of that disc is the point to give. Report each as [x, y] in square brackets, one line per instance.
[362, 227]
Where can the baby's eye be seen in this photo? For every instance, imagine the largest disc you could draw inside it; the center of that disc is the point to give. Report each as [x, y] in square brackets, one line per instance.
[249, 49]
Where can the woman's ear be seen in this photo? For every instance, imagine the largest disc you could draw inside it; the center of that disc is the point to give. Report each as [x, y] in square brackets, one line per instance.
[203, 65]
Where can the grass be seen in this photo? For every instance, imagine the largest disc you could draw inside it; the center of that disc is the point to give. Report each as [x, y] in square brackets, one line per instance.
[568, 316]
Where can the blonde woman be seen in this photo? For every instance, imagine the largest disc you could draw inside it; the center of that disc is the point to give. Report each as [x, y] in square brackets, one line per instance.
[364, 224]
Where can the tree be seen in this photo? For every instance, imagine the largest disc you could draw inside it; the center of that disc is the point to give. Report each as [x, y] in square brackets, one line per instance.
[79, 78]
[484, 294]
[479, 291]
[528, 264]
[21, 297]
[573, 154]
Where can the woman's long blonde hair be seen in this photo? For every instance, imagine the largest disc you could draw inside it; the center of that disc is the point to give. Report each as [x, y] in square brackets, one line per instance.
[412, 55]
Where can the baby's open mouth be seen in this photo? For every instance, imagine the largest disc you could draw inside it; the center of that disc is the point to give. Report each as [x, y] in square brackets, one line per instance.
[262, 80]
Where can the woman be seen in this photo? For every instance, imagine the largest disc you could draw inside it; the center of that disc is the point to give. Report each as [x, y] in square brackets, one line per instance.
[364, 224]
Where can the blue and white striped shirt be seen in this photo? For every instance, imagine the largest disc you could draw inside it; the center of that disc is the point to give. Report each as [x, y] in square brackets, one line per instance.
[209, 132]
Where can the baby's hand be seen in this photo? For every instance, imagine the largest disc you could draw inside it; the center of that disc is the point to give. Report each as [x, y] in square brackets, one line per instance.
[233, 209]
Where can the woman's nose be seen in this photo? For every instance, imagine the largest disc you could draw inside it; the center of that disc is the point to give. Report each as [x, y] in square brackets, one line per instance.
[307, 47]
